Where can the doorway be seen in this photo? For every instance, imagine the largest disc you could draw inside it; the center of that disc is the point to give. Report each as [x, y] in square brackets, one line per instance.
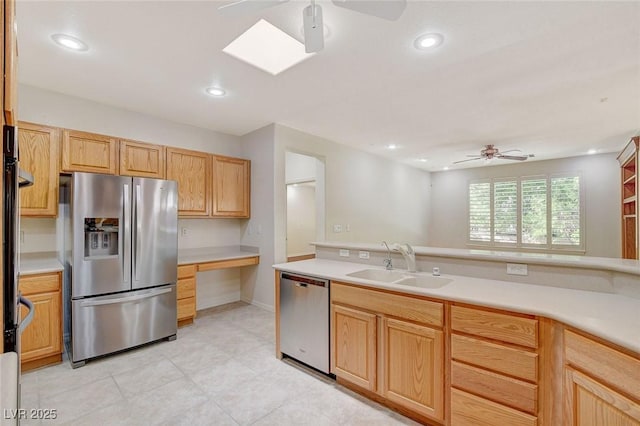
[304, 178]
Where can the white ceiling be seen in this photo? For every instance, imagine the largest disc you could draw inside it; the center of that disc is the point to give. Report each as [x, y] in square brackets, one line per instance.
[550, 78]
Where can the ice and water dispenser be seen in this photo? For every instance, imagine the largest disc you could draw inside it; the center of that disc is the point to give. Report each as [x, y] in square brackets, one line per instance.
[100, 237]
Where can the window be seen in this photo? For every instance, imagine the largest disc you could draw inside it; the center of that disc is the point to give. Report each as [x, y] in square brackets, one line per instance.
[537, 212]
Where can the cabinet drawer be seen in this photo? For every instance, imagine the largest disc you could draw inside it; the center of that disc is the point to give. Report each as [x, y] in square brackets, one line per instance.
[186, 288]
[513, 362]
[34, 284]
[471, 410]
[186, 308]
[505, 390]
[186, 271]
[493, 325]
[620, 370]
[410, 308]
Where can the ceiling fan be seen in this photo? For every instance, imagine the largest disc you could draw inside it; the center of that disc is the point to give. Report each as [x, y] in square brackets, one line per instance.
[312, 14]
[490, 152]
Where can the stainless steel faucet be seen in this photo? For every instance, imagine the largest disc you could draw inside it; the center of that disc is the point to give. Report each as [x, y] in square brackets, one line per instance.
[387, 262]
[409, 255]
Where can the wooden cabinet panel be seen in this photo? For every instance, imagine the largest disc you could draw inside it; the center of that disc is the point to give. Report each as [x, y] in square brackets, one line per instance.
[406, 307]
[142, 159]
[228, 263]
[88, 152]
[503, 389]
[603, 363]
[514, 362]
[186, 288]
[10, 101]
[39, 155]
[186, 271]
[471, 410]
[231, 187]
[354, 346]
[493, 325]
[42, 339]
[192, 170]
[590, 403]
[413, 367]
[186, 309]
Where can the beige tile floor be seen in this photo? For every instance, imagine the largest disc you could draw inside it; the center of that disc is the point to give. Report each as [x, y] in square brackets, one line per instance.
[220, 371]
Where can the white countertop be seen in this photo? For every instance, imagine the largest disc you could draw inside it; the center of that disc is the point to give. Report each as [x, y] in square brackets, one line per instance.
[628, 266]
[39, 263]
[613, 317]
[212, 254]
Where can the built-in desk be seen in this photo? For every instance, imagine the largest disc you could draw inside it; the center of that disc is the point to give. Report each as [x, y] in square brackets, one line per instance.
[191, 261]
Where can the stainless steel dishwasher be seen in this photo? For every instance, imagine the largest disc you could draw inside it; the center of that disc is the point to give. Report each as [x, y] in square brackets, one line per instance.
[304, 319]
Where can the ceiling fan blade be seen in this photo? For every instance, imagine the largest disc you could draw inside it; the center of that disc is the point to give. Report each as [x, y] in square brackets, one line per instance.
[385, 9]
[313, 28]
[474, 155]
[470, 159]
[241, 7]
[512, 157]
[511, 150]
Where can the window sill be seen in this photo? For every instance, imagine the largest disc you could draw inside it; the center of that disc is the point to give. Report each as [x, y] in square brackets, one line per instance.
[545, 250]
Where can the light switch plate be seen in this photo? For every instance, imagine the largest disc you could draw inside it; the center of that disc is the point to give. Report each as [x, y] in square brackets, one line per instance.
[344, 253]
[517, 269]
[363, 255]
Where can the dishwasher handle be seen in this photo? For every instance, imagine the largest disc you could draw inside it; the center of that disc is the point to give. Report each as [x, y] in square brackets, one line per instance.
[303, 281]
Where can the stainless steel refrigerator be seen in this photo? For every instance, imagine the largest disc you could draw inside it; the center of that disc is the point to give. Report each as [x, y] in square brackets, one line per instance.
[122, 256]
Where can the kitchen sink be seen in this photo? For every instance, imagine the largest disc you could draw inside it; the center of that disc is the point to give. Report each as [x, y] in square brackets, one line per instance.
[401, 277]
[425, 281]
[378, 275]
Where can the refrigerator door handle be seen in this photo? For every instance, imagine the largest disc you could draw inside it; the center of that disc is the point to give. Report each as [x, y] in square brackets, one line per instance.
[26, 320]
[126, 217]
[116, 300]
[138, 231]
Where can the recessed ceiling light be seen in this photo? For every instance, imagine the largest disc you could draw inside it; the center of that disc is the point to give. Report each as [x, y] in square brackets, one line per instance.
[268, 48]
[392, 146]
[428, 41]
[422, 160]
[216, 91]
[70, 42]
[592, 151]
[446, 168]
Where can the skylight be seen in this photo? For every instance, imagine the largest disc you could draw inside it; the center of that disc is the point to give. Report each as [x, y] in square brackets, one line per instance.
[267, 47]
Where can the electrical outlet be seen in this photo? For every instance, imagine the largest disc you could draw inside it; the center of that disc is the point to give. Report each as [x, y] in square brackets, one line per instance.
[517, 269]
[184, 231]
[347, 228]
[363, 255]
[337, 229]
[344, 253]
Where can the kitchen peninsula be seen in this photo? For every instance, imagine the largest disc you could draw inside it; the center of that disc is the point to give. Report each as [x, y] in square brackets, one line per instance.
[477, 345]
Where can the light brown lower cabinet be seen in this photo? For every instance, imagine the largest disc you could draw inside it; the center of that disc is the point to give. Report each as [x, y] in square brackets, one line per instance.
[186, 294]
[41, 341]
[378, 347]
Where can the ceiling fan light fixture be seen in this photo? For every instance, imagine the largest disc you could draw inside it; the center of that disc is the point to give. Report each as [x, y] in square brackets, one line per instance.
[428, 41]
[70, 42]
[592, 151]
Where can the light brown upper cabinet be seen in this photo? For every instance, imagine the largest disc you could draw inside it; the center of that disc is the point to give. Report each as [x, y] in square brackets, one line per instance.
[89, 152]
[142, 159]
[39, 149]
[192, 171]
[10, 63]
[231, 187]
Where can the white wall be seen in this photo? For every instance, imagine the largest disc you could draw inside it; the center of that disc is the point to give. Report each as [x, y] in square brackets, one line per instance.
[257, 282]
[299, 168]
[301, 218]
[379, 199]
[600, 173]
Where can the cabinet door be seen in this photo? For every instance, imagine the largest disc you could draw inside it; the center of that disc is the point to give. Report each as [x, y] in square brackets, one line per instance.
[590, 403]
[231, 187]
[191, 169]
[10, 63]
[142, 159]
[87, 152]
[39, 150]
[354, 346]
[413, 367]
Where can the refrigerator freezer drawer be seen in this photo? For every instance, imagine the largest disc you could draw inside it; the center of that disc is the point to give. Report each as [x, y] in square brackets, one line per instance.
[106, 324]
